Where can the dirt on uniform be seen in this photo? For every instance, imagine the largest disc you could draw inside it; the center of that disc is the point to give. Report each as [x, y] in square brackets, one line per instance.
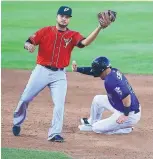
[78, 145]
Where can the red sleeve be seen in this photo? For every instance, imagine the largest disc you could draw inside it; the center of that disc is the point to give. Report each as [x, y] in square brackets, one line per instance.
[36, 37]
[77, 38]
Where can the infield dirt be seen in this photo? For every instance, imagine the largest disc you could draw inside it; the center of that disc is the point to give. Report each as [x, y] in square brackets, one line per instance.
[79, 145]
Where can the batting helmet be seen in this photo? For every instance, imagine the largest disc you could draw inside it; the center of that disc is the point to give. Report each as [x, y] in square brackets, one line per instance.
[99, 65]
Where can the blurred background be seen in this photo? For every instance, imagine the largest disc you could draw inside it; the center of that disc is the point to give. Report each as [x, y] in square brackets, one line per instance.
[128, 42]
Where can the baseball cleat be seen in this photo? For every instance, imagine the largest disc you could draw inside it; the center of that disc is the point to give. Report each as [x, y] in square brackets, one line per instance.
[16, 130]
[85, 121]
[85, 127]
[55, 138]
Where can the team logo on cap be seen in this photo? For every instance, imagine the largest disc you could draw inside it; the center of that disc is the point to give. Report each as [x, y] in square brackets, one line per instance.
[66, 9]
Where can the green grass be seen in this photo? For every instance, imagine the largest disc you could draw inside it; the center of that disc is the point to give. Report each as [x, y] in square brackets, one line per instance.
[128, 42]
[8, 153]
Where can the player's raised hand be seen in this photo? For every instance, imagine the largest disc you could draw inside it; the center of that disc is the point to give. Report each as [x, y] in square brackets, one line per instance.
[106, 18]
[74, 66]
[30, 47]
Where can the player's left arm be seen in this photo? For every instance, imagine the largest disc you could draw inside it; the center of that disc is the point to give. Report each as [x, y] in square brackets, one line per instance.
[91, 37]
[105, 19]
[122, 89]
[123, 93]
[81, 41]
[34, 40]
[126, 102]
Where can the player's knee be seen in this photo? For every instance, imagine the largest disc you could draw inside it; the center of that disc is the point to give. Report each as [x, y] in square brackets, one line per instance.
[96, 99]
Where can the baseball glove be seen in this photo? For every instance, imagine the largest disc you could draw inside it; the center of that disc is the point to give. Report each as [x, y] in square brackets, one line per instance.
[106, 18]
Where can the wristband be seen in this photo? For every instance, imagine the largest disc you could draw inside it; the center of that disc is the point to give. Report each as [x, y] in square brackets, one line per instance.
[126, 111]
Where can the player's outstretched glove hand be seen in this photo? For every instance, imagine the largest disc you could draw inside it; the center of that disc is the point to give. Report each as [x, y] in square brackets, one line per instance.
[106, 18]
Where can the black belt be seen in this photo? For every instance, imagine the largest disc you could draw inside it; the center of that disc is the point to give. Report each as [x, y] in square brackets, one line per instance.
[54, 68]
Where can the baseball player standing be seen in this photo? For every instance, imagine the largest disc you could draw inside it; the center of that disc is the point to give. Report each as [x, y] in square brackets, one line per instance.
[120, 100]
[55, 46]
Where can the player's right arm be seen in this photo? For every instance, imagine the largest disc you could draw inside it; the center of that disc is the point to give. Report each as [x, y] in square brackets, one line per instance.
[29, 46]
[34, 40]
[85, 70]
[91, 37]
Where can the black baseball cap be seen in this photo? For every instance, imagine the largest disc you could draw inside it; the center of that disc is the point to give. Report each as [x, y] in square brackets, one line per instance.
[64, 10]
